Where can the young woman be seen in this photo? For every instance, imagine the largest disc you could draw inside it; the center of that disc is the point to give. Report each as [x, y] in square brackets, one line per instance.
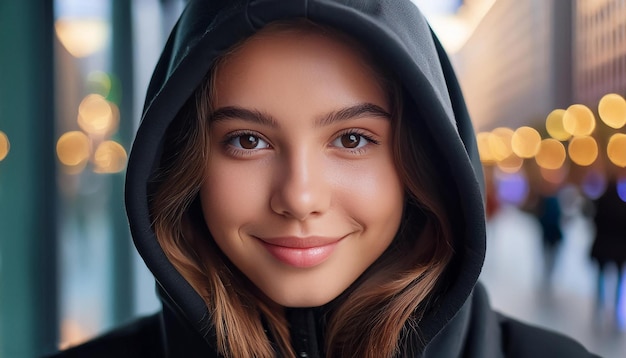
[305, 183]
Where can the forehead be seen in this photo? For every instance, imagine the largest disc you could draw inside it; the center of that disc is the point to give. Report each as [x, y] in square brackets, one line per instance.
[280, 43]
[287, 59]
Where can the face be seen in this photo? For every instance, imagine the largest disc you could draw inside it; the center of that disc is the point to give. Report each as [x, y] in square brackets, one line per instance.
[300, 191]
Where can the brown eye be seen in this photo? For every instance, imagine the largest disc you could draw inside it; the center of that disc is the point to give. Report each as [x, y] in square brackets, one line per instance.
[248, 141]
[350, 140]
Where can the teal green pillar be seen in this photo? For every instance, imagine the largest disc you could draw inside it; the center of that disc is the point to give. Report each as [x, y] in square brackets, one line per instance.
[122, 68]
[28, 243]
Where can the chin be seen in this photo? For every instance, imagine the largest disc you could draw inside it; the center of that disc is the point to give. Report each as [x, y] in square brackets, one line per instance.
[303, 301]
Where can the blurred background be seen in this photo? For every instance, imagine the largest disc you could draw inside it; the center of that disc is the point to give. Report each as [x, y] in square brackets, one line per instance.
[544, 82]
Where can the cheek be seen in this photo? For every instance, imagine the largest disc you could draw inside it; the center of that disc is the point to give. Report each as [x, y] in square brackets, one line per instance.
[372, 191]
[231, 196]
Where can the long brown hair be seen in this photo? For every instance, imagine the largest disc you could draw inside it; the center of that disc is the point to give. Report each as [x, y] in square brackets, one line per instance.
[368, 320]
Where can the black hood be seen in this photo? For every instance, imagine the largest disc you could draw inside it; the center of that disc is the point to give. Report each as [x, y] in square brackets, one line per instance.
[397, 32]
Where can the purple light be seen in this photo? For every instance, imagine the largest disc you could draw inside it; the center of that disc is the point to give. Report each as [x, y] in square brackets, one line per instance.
[621, 189]
[512, 188]
[594, 184]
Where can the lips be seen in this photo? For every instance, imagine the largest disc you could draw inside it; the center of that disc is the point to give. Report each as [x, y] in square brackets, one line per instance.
[300, 252]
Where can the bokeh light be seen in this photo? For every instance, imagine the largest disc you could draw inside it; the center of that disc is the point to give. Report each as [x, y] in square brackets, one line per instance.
[612, 110]
[5, 145]
[554, 125]
[551, 154]
[616, 149]
[500, 143]
[511, 164]
[525, 142]
[73, 150]
[512, 188]
[583, 150]
[578, 120]
[594, 184]
[97, 116]
[82, 37]
[110, 157]
[621, 189]
[482, 141]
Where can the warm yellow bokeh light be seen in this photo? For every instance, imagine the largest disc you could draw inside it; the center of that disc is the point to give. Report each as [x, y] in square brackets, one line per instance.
[616, 149]
[525, 142]
[115, 121]
[554, 125]
[578, 120]
[482, 141]
[512, 164]
[97, 116]
[5, 145]
[583, 150]
[551, 154]
[82, 37]
[612, 110]
[73, 148]
[500, 143]
[110, 157]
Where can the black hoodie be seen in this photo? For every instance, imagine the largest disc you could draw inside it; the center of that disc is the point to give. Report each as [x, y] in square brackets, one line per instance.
[462, 324]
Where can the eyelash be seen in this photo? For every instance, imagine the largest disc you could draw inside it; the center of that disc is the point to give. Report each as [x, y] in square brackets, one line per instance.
[232, 150]
[247, 152]
[360, 133]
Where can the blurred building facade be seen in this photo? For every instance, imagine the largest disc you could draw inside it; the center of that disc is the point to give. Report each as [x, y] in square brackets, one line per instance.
[599, 49]
[526, 58]
[517, 64]
[74, 75]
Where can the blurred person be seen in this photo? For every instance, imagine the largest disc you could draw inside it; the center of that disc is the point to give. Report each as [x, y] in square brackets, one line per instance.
[609, 244]
[305, 182]
[544, 203]
[548, 212]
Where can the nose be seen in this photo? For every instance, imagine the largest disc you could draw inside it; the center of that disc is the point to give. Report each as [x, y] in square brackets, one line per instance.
[301, 190]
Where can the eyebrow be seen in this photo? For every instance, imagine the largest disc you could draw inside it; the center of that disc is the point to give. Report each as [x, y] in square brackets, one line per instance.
[234, 112]
[356, 111]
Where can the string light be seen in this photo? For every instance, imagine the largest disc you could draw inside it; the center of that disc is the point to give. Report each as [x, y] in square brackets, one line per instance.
[110, 157]
[5, 146]
[551, 154]
[525, 142]
[97, 116]
[554, 125]
[612, 110]
[583, 150]
[500, 143]
[82, 37]
[616, 149]
[73, 151]
[578, 120]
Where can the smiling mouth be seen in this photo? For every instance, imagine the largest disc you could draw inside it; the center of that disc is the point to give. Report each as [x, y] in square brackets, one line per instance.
[301, 252]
